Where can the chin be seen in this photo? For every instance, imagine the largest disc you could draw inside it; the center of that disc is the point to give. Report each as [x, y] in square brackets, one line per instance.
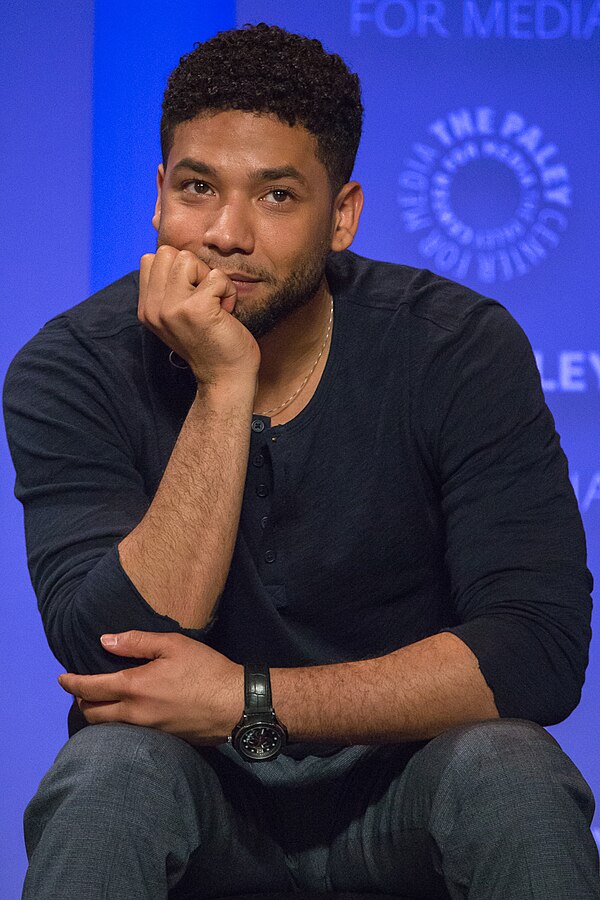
[259, 322]
[290, 296]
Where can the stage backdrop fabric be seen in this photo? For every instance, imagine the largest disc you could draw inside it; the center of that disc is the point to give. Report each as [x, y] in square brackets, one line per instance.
[478, 161]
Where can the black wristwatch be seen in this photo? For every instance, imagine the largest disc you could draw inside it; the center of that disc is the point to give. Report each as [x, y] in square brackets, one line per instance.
[259, 735]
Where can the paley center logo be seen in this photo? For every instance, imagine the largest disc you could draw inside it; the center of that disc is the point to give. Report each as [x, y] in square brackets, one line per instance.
[486, 194]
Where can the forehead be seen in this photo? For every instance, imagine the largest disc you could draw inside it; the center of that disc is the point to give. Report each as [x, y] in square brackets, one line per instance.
[246, 141]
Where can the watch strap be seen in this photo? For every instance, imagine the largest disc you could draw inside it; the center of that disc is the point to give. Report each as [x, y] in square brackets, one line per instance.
[257, 690]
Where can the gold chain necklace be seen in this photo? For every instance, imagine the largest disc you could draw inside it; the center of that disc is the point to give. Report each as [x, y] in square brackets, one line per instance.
[282, 406]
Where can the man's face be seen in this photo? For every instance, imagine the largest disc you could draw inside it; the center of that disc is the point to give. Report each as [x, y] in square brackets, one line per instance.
[247, 194]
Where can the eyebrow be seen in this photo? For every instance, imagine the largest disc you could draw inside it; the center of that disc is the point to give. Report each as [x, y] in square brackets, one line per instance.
[196, 166]
[279, 173]
[259, 175]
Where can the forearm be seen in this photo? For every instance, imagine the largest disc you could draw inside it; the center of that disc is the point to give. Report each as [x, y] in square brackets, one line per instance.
[178, 556]
[411, 694]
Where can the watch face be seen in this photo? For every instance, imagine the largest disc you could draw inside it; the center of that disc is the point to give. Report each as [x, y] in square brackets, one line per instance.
[260, 741]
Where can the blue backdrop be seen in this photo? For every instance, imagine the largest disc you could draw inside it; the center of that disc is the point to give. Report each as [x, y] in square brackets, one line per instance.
[478, 161]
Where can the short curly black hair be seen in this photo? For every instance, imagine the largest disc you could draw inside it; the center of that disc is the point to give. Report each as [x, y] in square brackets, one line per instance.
[264, 69]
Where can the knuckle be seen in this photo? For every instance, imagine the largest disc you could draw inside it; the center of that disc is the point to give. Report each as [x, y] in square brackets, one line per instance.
[90, 714]
[126, 680]
[163, 318]
[217, 278]
[133, 713]
[180, 262]
[185, 256]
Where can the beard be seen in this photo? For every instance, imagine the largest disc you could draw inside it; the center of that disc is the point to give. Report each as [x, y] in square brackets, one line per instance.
[287, 296]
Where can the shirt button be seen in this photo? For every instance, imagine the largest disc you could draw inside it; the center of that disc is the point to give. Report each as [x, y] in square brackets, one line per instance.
[262, 490]
[270, 556]
[258, 460]
[263, 521]
[257, 425]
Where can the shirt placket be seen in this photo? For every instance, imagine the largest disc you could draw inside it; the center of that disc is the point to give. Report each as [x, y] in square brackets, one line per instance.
[263, 467]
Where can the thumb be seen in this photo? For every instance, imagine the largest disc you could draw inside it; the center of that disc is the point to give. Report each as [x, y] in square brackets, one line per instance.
[139, 644]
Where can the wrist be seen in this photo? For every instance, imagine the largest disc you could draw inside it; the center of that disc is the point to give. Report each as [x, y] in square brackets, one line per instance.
[231, 700]
[228, 391]
[259, 736]
[243, 371]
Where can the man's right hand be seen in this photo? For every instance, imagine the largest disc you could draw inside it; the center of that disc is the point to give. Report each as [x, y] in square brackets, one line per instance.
[188, 306]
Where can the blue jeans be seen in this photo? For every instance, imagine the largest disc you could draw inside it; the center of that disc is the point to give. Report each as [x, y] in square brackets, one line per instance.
[491, 810]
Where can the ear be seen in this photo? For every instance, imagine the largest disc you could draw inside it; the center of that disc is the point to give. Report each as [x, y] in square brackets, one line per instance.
[347, 208]
[160, 178]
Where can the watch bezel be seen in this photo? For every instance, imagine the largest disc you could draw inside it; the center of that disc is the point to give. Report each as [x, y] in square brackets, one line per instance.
[244, 728]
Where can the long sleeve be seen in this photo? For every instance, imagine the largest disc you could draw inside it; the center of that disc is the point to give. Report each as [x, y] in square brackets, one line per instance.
[422, 489]
[73, 424]
[515, 543]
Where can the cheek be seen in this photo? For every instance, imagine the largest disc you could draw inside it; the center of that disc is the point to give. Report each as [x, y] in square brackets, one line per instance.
[295, 240]
[179, 224]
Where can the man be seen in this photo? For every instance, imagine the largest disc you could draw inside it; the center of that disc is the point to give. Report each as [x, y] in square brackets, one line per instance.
[302, 536]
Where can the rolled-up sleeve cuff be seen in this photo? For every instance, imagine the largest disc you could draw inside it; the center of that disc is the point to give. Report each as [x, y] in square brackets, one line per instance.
[106, 601]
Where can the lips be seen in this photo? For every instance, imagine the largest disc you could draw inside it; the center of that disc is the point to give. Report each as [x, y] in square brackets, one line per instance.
[238, 276]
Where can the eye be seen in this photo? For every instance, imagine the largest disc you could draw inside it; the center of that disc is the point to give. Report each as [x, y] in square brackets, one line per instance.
[195, 187]
[278, 195]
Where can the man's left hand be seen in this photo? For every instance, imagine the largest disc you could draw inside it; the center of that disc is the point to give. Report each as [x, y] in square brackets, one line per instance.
[187, 688]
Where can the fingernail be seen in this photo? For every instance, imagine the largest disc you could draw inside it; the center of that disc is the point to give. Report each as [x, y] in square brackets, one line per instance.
[109, 640]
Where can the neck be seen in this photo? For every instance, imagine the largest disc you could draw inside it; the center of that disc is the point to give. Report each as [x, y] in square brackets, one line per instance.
[289, 350]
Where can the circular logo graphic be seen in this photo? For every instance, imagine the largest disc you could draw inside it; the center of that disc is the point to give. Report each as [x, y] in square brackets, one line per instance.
[486, 195]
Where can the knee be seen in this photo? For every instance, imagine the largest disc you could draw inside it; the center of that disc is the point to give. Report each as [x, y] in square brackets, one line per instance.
[502, 744]
[105, 759]
[515, 760]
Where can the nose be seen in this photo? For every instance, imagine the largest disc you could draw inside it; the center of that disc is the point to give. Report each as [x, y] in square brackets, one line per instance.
[230, 231]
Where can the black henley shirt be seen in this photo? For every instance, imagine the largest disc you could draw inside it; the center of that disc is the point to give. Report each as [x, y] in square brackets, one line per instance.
[422, 489]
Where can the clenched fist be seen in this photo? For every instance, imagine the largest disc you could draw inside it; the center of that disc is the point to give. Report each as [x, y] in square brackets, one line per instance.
[189, 306]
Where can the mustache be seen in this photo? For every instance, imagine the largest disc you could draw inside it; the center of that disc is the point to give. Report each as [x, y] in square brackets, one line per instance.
[232, 264]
